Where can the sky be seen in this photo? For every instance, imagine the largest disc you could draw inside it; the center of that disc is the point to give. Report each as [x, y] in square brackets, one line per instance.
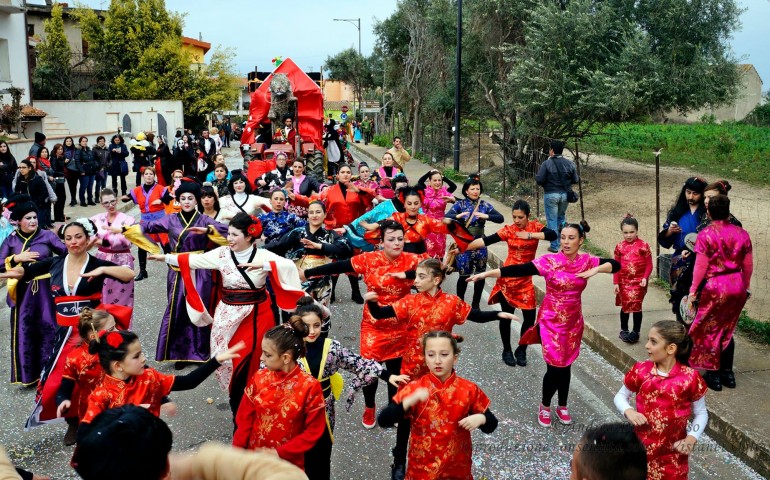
[305, 30]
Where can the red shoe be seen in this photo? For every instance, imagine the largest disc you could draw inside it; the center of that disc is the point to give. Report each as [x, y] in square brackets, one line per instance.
[544, 416]
[369, 420]
[562, 413]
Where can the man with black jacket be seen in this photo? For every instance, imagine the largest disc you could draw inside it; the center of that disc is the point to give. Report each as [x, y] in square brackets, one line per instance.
[556, 175]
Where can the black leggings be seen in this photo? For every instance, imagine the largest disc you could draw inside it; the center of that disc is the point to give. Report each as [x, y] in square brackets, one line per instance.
[505, 325]
[726, 360]
[370, 391]
[318, 460]
[637, 321]
[142, 256]
[403, 430]
[556, 379]
[462, 285]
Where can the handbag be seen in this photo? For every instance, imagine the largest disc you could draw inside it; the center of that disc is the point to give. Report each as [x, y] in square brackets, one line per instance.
[572, 197]
[123, 168]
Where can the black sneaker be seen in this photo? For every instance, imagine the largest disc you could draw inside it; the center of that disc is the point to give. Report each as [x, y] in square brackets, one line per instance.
[633, 337]
[508, 358]
[728, 378]
[521, 355]
[623, 335]
[397, 471]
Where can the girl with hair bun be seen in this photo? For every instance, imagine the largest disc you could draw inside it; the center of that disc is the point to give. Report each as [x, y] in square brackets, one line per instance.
[283, 407]
[427, 310]
[635, 258]
[76, 281]
[667, 390]
[82, 371]
[720, 187]
[128, 380]
[33, 323]
[244, 312]
[474, 213]
[324, 359]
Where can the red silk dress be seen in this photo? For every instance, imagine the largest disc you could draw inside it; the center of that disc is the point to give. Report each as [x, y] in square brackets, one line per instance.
[384, 339]
[635, 260]
[284, 411]
[422, 313]
[667, 404]
[418, 232]
[342, 210]
[147, 389]
[439, 448]
[519, 292]
[84, 369]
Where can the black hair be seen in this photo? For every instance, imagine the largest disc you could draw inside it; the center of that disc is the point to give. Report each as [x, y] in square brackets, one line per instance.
[100, 137]
[110, 446]
[629, 220]
[236, 175]
[453, 339]
[472, 180]
[318, 202]
[306, 305]
[208, 191]
[523, 206]
[582, 229]
[389, 224]
[674, 332]
[361, 165]
[611, 451]
[288, 337]
[26, 162]
[408, 191]
[719, 207]
[344, 166]
[77, 223]
[557, 146]
[243, 221]
[109, 353]
[396, 138]
[680, 207]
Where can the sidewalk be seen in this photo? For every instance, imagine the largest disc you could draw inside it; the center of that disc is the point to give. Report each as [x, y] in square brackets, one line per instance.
[739, 419]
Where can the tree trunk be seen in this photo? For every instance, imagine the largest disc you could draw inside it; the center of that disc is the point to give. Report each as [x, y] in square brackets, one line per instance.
[417, 127]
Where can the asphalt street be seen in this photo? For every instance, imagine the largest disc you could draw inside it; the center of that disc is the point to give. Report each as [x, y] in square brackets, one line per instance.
[519, 449]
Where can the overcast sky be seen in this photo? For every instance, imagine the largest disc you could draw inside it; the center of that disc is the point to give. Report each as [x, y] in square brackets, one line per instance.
[305, 30]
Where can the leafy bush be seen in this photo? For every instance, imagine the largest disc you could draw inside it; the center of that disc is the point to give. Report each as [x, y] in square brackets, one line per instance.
[381, 141]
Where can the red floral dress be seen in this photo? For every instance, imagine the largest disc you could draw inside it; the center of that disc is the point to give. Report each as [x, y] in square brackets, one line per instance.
[147, 390]
[519, 292]
[439, 448]
[422, 313]
[84, 369]
[635, 260]
[667, 404]
[384, 339]
[284, 411]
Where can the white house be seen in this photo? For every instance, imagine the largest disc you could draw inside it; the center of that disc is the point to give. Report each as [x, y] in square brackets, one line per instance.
[14, 66]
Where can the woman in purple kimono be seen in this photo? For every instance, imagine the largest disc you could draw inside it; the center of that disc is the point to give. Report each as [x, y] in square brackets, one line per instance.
[722, 278]
[179, 340]
[559, 324]
[33, 326]
[114, 247]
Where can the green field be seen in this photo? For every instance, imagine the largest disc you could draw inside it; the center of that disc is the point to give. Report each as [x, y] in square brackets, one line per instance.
[729, 150]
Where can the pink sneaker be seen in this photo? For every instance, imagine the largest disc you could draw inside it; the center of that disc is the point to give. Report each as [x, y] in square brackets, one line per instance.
[369, 420]
[544, 416]
[562, 413]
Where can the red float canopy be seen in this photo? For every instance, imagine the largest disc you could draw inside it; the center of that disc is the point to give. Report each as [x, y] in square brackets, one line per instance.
[310, 105]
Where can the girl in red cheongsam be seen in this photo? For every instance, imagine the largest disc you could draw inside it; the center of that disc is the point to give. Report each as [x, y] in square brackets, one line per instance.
[283, 407]
[667, 390]
[82, 372]
[428, 310]
[635, 260]
[128, 380]
[443, 409]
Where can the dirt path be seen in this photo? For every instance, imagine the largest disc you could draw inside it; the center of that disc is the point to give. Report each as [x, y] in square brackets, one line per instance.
[613, 187]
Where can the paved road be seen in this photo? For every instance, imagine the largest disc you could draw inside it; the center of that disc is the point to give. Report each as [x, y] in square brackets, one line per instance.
[519, 449]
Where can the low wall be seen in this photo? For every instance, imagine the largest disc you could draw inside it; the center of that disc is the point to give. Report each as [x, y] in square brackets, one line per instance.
[20, 148]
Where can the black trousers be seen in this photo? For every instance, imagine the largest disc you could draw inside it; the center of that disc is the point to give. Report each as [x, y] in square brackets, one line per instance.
[61, 200]
[318, 460]
[370, 391]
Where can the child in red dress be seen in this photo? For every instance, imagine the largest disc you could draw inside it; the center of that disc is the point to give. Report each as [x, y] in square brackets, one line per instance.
[128, 380]
[283, 407]
[666, 391]
[443, 409]
[82, 372]
[635, 260]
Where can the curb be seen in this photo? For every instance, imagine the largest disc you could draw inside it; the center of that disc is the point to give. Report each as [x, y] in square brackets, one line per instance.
[755, 454]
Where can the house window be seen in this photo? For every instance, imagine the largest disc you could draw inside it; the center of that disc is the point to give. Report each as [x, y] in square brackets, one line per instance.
[5, 63]
[84, 47]
[30, 29]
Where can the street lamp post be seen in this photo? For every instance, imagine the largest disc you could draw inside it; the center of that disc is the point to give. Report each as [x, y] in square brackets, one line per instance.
[356, 22]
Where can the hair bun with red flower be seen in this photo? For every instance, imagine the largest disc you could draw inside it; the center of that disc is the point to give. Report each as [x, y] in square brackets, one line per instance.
[255, 229]
[114, 339]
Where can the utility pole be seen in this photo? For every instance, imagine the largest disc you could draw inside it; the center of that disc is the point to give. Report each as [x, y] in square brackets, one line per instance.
[356, 22]
[458, 73]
